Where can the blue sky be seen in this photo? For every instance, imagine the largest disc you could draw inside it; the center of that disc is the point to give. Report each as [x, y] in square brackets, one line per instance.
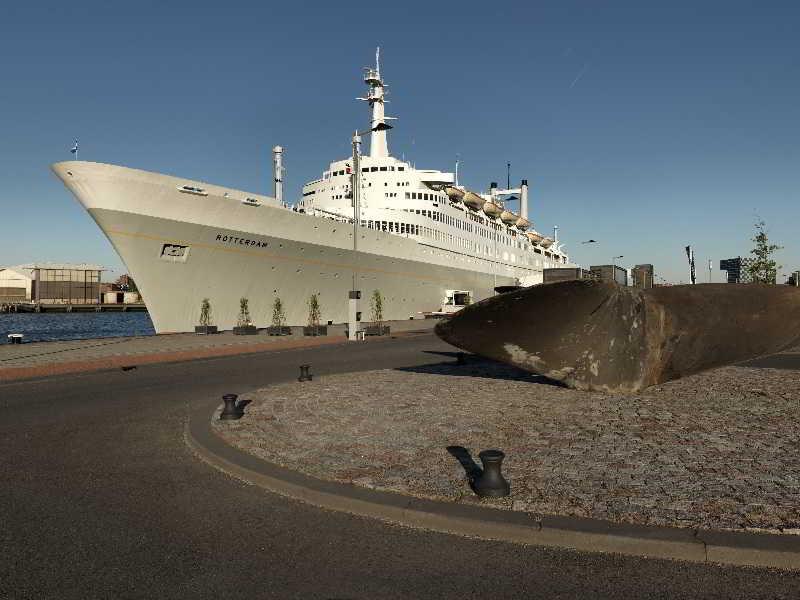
[646, 126]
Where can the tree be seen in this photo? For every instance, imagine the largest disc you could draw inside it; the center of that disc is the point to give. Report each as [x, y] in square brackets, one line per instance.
[205, 312]
[314, 311]
[376, 306]
[244, 313]
[278, 315]
[125, 283]
[763, 268]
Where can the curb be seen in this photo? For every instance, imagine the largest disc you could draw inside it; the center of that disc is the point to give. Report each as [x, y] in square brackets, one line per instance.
[588, 535]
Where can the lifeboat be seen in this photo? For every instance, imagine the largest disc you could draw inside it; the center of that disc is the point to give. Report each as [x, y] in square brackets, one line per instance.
[546, 243]
[534, 237]
[492, 208]
[473, 201]
[454, 194]
[508, 217]
[523, 223]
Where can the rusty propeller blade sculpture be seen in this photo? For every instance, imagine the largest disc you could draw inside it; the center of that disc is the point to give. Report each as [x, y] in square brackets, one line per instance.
[592, 335]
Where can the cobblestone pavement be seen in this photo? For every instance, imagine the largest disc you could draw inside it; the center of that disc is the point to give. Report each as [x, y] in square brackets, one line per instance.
[717, 450]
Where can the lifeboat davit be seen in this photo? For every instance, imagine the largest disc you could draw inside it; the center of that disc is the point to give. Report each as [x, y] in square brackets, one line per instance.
[473, 201]
[523, 223]
[546, 243]
[534, 237]
[508, 217]
[454, 194]
[493, 209]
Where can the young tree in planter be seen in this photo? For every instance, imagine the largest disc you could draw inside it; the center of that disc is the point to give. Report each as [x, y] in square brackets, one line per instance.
[244, 326]
[205, 318]
[764, 269]
[314, 316]
[314, 311]
[376, 306]
[205, 312]
[244, 313]
[278, 320]
[278, 316]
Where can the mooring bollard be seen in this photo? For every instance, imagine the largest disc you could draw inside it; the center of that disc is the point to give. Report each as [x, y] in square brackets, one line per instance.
[491, 483]
[461, 359]
[231, 409]
[304, 374]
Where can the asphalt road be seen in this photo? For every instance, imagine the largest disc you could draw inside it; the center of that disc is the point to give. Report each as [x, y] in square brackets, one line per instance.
[100, 498]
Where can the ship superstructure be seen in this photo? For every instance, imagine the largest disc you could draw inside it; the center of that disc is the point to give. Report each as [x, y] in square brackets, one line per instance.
[424, 242]
[429, 207]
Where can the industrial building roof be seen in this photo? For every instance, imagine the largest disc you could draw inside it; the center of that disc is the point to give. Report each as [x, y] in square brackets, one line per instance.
[29, 268]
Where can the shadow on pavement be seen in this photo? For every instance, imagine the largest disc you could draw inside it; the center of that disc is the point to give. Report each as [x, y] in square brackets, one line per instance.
[787, 362]
[463, 456]
[476, 366]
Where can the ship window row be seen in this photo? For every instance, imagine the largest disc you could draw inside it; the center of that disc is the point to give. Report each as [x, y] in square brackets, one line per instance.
[468, 245]
[335, 173]
[377, 169]
[449, 220]
[424, 196]
[435, 234]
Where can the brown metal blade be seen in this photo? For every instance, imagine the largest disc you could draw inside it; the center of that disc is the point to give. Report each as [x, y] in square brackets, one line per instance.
[599, 336]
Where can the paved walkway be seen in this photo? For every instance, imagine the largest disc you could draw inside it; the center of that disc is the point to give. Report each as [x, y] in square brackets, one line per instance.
[101, 499]
[21, 361]
[716, 450]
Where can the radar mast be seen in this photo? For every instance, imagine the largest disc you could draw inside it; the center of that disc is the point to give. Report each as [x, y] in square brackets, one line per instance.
[378, 147]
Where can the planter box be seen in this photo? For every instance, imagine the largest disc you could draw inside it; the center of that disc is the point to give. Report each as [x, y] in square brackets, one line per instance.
[205, 329]
[376, 330]
[245, 330]
[316, 330]
[279, 330]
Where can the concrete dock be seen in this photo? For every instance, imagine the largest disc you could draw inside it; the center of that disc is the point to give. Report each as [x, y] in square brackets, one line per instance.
[41, 359]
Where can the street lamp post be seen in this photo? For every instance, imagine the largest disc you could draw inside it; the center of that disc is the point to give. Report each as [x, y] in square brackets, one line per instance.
[355, 191]
[354, 295]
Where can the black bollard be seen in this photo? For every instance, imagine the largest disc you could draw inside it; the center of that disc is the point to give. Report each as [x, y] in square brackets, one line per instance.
[231, 409]
[304, 374]
[491, 482]
[461, 359]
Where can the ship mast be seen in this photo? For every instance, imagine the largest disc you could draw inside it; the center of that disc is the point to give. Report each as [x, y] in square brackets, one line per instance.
[378, 147]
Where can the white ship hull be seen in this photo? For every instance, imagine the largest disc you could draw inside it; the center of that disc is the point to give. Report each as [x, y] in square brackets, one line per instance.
[183, 247]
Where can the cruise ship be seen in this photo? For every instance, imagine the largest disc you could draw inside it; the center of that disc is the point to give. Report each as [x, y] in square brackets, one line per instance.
[371, 222]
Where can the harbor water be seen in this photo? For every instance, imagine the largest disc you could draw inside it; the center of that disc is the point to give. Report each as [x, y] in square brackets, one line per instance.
[42, 327]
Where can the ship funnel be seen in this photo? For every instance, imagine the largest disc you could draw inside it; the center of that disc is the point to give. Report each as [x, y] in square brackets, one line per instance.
[523, 199]
[493, 189]
[277, 172]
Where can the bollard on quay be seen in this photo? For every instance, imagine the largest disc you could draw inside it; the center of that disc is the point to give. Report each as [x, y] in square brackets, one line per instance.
[231, 410]
[304, 374]
[491, 482]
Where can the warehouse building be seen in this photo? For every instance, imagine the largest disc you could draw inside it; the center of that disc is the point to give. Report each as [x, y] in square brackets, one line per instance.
[737, 269]
[610, 273]
[47, 283]
[642, 276]
[566, 274]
